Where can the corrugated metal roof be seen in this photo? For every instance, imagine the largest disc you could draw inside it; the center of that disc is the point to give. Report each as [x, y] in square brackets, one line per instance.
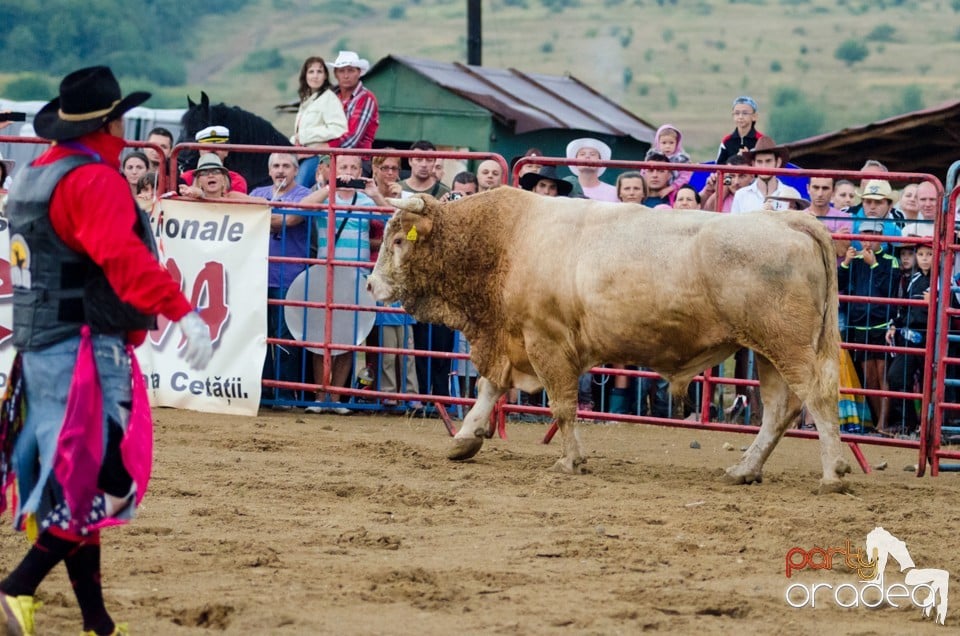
[922, 141]
[531, 101]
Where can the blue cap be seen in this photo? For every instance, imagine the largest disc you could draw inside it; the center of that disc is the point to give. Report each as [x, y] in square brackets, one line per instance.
[746, 99]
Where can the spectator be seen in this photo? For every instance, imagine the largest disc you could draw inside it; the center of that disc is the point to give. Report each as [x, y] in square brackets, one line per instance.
[351, 243]
[320, 117]
[756, 196]
[657, 180]
[909, 329]
[6, 170]
[869, 272]
[546, 182]
[745, 134]
[686, 198]
[386, 176]
[821, 193]
[631, 187]
[211, 181]
[432, 373]
[588, 177]
[98, 251]
[438, 170]
[214, 136]
[871, 165]
[908, 205]
[844, 195]
[159, 137]
[732, 182]
[876, 203]
[359, 104]
[147, 190]
[133, 167]
[489, 175]
[527, 167]
[290, 237]
[669, 142]
[465, 183]
[927, 199]
[422, 179]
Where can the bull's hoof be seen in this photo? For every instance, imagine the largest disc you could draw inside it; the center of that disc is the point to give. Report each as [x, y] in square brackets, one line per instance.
[736, 476]
[465, 448]
[842, 467]
[569, 467]
[831, 486]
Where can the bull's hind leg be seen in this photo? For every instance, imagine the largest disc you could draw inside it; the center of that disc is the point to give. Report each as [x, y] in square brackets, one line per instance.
[469, 439]
[780, 407]
[819, 393]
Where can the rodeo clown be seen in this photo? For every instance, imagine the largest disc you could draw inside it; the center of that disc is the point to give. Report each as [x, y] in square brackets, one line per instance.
[87, 287]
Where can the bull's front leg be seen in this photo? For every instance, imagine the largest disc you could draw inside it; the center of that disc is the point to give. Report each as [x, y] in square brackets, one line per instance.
[469, 439]
[564, 409]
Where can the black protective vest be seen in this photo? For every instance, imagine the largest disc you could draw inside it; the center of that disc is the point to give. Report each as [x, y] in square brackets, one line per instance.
[56, 289]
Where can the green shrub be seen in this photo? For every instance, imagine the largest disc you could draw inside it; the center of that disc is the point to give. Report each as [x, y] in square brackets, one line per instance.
[851, 51]
[30, 87]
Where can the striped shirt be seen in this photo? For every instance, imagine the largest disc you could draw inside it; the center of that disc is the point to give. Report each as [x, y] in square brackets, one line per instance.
[363, 119]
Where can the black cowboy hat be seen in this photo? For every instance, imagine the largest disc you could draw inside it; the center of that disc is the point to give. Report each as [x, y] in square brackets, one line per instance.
[529, 180]
[89, 98]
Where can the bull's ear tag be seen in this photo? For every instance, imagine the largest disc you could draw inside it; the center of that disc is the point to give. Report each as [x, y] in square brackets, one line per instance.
[412, 234]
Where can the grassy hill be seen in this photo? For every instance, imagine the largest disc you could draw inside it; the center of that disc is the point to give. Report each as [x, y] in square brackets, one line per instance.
[679, 61]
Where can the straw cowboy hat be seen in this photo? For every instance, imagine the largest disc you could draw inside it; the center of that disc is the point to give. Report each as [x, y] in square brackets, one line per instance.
[767, 144]
[211, 161]
[89, 98]
[802, 204]
[878, 189]
[350, 58]
[548, 173]
[588, 142]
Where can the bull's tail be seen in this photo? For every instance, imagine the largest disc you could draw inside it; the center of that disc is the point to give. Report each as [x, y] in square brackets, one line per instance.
[827, 342]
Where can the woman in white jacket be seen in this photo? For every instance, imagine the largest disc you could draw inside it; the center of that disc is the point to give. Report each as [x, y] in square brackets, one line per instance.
[320, 117]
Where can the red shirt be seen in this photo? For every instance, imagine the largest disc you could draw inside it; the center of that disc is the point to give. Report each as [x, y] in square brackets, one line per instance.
[92, 211]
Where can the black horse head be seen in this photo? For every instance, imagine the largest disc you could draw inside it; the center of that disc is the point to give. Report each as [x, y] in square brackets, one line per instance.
[245, 128]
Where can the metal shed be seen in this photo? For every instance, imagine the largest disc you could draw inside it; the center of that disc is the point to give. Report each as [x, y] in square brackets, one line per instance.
[501, 110]
[922, 141]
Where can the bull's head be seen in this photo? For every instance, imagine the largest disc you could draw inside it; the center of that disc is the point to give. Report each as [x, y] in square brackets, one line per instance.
[408, 228]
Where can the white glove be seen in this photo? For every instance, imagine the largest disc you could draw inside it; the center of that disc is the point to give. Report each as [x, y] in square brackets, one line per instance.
[198, 349]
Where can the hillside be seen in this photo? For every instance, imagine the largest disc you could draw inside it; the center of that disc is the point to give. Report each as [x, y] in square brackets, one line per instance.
[667, 60]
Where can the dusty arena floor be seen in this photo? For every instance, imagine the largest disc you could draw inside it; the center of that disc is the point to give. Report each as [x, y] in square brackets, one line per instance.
[296, 524]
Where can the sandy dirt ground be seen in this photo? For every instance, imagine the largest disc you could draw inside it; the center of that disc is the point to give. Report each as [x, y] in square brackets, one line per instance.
[300, 524]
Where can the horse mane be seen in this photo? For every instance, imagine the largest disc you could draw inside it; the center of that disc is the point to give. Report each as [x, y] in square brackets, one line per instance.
[245, 128]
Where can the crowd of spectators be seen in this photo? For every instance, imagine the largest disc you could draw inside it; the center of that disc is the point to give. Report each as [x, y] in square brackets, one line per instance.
[337, 111]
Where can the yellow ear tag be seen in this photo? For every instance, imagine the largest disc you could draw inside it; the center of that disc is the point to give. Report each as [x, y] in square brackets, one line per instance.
[412, 234]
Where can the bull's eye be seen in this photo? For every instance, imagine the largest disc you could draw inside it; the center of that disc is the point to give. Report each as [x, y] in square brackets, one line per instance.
[398, 241]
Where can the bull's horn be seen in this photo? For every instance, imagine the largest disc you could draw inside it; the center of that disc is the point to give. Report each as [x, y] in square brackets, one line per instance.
[413, 204]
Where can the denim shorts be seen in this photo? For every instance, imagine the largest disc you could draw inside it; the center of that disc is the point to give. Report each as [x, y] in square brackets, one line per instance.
[47, 374]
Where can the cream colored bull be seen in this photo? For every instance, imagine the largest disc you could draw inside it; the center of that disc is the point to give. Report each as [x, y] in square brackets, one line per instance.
[546, 288]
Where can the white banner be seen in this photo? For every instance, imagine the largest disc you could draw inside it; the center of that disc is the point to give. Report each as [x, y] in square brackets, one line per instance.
[219, 254]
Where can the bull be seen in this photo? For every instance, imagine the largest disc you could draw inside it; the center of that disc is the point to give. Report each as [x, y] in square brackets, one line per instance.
[546, 288]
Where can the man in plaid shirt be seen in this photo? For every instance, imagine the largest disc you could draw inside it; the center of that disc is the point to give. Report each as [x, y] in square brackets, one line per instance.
[359, 104]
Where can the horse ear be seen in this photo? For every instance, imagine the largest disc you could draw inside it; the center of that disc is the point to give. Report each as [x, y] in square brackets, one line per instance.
[204, 100]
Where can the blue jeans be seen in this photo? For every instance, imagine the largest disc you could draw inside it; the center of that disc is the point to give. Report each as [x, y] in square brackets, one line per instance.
[307, 174]
[47, 375]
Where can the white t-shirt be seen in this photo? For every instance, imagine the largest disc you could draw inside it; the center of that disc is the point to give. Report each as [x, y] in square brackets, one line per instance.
[750, 199]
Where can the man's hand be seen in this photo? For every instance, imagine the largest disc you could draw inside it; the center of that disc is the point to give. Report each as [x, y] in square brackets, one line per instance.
[869, 257]
[198, 349]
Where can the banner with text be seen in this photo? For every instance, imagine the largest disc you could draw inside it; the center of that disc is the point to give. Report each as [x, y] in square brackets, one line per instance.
[218, 253]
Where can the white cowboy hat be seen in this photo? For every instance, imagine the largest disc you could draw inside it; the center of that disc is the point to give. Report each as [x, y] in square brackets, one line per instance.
[588, 142]
[350, 58]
